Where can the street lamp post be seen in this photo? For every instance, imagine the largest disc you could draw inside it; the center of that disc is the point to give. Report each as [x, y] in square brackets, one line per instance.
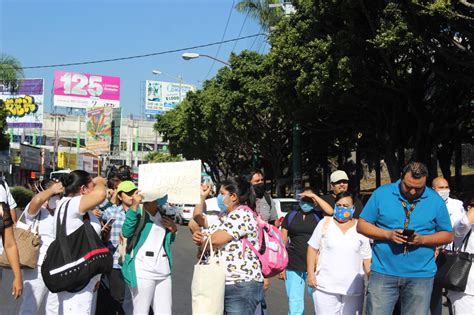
[189, 56]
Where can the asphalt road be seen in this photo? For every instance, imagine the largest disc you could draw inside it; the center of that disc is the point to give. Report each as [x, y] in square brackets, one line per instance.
[184, 257]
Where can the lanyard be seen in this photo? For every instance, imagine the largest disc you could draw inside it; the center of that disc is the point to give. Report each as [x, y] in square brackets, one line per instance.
[408, 213]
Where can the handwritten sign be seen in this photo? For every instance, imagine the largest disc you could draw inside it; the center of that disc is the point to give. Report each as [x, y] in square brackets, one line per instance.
[180, 180]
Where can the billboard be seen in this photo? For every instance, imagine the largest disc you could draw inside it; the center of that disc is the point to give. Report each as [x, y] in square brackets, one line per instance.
[80, 90]
[99, 129]
[160, 96]
[25, 106]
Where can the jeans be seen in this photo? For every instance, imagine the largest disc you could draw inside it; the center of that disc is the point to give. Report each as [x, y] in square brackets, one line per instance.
[243, 297]
[295, 283]
[383, 292]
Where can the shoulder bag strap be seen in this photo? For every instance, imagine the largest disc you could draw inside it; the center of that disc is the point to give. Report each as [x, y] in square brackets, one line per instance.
[134, 240]
[465, 241]
[90, 232]
[61, 234]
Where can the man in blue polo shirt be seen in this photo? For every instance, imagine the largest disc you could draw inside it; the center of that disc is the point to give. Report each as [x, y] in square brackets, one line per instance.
[407, 220]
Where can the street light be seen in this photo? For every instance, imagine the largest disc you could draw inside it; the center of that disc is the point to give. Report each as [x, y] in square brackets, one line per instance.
[189, 56]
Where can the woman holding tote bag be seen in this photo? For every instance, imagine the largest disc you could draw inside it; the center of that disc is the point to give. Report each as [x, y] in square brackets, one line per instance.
[40, 213]
[243, 275]
[83, 194]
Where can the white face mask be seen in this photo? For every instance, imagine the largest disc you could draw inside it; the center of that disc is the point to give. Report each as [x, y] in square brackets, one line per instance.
[53, 201]
[444, 194]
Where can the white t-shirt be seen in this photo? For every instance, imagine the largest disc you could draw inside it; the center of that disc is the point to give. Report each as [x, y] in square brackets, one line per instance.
[151, 261]
[456, 212]
[45, 229]
[339, 267]
[239, 224]
[74, 217]
[461, 228]
[213, 214]
[6, 196]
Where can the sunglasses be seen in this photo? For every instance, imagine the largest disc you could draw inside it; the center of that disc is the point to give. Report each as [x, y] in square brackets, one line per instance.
[130, 193]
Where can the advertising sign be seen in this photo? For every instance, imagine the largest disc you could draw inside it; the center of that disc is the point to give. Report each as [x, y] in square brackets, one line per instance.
[160, 96]
[99, 129]
[30, 158]
[181, 181]
[67, 160]
[25, 107]
[80, 90]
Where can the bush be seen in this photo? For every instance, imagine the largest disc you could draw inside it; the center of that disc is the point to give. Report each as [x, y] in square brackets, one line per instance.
[21, 195]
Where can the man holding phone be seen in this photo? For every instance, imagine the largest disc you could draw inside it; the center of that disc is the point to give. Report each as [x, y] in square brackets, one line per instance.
[406, 220]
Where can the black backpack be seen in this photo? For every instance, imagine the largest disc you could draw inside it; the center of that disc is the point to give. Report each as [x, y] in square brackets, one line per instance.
[73, 260]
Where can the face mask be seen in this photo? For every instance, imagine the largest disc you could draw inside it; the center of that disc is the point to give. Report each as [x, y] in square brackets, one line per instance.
[259, 189]
[306, 206]
[53, 201]
[220, 202]
[444, 194]
[343, 213]
[162, 201]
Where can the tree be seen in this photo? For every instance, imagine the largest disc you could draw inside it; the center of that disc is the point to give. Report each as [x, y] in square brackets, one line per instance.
[232, 120]
[260, 10]
[382, 77]
[158, 157]
[10, 73]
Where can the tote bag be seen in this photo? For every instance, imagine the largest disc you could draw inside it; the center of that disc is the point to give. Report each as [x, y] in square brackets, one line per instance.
[72, 260]
[454, 267]
[28, 243]
[208, 286]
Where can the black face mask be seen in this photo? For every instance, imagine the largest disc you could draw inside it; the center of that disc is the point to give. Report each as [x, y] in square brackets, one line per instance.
[259, 190]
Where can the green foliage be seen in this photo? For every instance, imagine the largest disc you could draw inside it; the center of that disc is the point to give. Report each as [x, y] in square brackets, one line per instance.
[10, 72]
[21, 195]
[260, 10]
[158, 157]
[4, 140]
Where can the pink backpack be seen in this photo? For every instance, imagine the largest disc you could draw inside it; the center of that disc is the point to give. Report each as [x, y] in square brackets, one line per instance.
[272, 254]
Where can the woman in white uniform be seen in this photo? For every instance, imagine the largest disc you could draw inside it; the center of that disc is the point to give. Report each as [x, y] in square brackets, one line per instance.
[39, 214]
[336, 260]
[85, 194]
[463, 302]
[147, 267]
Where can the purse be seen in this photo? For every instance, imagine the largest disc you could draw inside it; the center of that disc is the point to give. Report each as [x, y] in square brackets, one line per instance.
[73, 260]
[28, 243]
[208, 285]
[454, 267]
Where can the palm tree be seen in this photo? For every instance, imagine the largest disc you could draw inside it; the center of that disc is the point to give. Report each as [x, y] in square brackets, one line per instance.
[10, 72]
[260, 10]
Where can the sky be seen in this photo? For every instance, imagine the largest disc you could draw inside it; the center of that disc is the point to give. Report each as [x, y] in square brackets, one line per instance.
[39, 32]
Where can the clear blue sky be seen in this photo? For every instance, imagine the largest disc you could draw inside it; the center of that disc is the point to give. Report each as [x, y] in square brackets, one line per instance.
[39, 32]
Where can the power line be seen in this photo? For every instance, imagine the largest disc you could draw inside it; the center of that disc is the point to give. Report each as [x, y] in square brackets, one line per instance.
[141, 56]
[255, 39]
[241, 28]
[223, 35]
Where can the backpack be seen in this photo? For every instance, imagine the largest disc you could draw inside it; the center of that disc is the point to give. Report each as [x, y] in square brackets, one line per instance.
[272, 254]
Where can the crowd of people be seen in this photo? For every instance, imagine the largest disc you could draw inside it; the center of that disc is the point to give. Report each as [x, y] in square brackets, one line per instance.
[342, 254]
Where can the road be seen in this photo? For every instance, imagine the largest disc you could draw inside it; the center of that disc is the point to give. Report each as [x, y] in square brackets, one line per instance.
[184, 253]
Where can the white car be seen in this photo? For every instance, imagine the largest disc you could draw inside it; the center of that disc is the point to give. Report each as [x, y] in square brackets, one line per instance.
[184, 214]
[284, 206]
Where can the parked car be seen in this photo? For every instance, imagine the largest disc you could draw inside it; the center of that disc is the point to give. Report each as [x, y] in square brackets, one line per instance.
[184, 213]
[170, 210]
[285, 205]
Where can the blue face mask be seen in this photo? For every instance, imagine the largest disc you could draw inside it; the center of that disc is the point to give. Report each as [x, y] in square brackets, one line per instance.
[220, 203]
[162, 201]
[343, 213]
[306, 206]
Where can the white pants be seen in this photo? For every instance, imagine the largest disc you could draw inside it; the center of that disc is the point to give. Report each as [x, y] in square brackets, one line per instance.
[78, 303]
[34, 291]
[329, 303]
[154, 293]
[463, 304]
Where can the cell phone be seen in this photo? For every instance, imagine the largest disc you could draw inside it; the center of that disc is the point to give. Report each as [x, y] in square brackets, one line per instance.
[408, 232]
[109, 222]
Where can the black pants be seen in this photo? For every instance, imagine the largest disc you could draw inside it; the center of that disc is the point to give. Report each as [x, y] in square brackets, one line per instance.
[111, 295]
